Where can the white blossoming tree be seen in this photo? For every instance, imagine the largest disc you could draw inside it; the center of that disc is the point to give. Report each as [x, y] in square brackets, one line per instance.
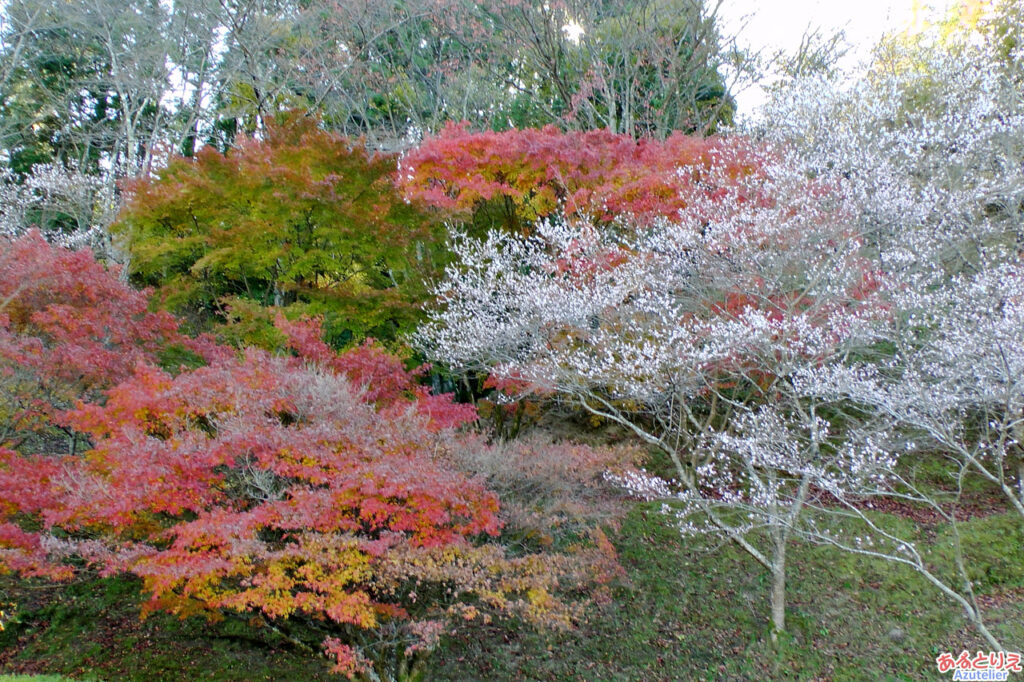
[690, 334]
[68, 206]
[930, 148]
[932, 144]
[934, 149]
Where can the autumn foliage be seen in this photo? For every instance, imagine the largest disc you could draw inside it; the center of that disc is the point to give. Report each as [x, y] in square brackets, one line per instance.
[253, 484]
[381, 377]
[301, 218]
[327, 492]
[514, 177]
[69, 329]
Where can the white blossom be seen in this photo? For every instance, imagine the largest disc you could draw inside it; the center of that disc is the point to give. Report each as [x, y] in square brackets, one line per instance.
[70, 207]
[857, 297]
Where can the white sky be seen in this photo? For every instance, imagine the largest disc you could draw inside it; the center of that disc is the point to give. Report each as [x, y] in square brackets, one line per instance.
[770, 25]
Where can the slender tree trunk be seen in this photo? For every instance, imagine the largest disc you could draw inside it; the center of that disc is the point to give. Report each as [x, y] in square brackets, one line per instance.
[778, 595]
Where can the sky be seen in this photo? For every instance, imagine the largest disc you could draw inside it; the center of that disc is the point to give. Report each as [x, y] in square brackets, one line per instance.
[770, 25]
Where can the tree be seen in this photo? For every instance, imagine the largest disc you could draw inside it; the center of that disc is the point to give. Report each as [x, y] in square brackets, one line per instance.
[390, 69]
[85, 83]
[317, 494]
[737, 338]
[931, 142]
[517, 177]
[270, 487]
[300, 218]
[69, 330]
[68, 206]
[404, 69]
[643, 69]
[690, 333]
[92, 80]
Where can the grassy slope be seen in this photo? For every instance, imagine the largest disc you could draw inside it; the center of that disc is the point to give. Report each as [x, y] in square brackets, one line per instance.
[699, 612]
[693, 611]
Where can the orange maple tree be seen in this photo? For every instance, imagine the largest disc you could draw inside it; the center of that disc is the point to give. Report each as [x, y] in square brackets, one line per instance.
[315, 490]
[518, 176]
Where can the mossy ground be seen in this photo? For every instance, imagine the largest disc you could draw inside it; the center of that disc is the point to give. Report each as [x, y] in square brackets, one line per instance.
[92, 630]
[690, 610]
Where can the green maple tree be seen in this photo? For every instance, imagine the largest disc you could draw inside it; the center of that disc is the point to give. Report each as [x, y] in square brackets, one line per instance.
[301, 219]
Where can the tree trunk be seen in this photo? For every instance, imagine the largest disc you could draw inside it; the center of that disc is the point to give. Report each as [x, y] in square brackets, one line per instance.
[779, 588]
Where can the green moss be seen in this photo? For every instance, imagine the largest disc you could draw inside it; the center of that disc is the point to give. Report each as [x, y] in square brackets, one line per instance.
[691, 609]
[93, 630]
[699, 611]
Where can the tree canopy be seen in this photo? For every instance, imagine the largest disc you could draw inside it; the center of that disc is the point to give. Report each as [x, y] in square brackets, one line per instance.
[300, 219]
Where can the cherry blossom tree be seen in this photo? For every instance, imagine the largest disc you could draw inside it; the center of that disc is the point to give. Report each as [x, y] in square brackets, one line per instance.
[930, 148]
